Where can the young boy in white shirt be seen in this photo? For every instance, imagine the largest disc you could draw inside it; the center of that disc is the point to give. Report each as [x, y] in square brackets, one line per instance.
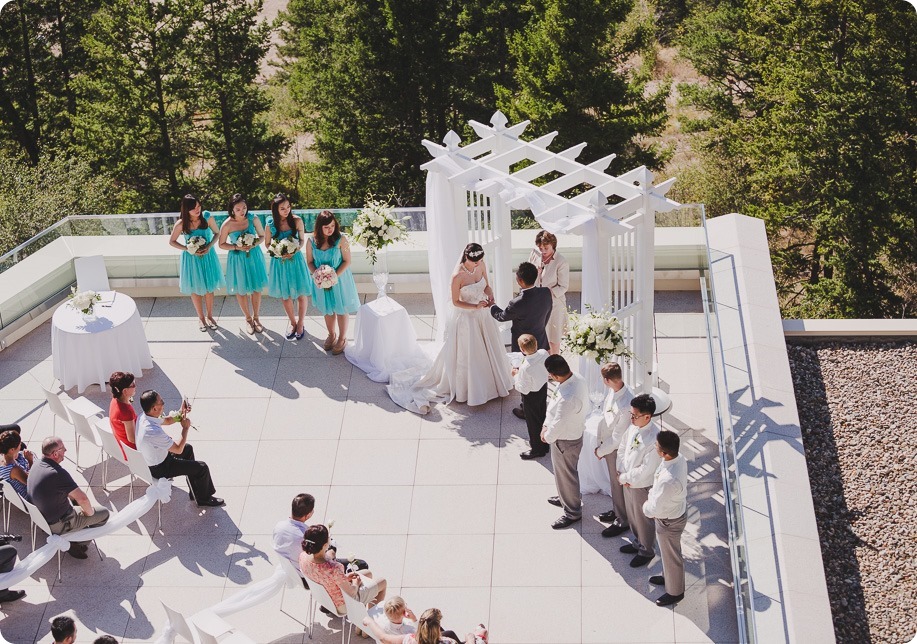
[531, 380]
[397, 618]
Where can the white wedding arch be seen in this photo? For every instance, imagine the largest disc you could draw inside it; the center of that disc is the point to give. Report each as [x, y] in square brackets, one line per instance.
[472, 188]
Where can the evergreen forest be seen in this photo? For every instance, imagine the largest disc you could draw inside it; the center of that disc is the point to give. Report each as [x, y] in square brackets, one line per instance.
[802, 113]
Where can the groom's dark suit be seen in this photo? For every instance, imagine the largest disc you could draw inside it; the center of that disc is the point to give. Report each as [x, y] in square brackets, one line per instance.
[529, 312]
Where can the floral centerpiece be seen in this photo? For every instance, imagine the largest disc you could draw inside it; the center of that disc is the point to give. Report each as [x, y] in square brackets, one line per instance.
[281, 247]
[246, 242]
[195, 244]
[376, 226]
[84, 301]
[325, 277]
[596, 335]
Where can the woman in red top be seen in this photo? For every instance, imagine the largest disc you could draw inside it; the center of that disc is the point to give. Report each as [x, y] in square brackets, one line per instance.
[121, 413]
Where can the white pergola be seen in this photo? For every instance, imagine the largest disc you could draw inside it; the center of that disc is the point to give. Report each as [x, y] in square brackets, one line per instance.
[471, 190]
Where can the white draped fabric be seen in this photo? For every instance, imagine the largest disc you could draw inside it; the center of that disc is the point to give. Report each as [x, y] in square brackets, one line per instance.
[87, 352]
[27, 567]
[385, 341]
[593, 472]
[246, 598]
[447, 235]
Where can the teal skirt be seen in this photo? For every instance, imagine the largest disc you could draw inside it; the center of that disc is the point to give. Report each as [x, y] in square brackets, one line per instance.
[245, 272]
[200, 274]
[289, 278]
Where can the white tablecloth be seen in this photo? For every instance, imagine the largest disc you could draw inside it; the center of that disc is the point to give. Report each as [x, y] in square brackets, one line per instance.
[384, 340]
[88, 352]
[593, 473]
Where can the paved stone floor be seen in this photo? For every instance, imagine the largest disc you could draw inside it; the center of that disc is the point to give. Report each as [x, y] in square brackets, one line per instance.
[440, 505]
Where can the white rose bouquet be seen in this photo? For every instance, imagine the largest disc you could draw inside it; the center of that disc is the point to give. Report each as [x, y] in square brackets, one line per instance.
[84, 301]
[596, 335]
[325, 277]
[376, 226]
[281, 247]
[246, 241]
[195, 244]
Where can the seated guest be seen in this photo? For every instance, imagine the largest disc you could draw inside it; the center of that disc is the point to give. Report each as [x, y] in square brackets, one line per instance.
[429, 631]
[121, 412]
[396, 618]
[167, 458]
[63, 630]
[14, 465]
[7, 563]
[51, 489]
[317, 566]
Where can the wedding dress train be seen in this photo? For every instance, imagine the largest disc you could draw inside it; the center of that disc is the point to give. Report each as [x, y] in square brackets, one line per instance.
[472, 366]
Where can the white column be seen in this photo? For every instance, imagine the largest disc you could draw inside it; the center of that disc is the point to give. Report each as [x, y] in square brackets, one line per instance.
[645, 267]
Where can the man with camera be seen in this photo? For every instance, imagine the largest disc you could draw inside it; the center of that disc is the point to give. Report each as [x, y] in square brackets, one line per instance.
[7, 562]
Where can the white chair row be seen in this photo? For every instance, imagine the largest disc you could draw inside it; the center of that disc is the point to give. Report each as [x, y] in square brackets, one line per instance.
[205, 627]
[75, 412]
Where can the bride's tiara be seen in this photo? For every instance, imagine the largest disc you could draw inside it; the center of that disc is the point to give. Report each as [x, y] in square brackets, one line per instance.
[475, 254]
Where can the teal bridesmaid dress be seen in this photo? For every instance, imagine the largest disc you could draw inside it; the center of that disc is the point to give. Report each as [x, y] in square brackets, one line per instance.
[289, 278]
[341, 298]
[200, 274]
[245, 270]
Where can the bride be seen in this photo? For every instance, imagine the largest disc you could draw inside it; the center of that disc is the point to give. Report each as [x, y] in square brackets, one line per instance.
[472, 365]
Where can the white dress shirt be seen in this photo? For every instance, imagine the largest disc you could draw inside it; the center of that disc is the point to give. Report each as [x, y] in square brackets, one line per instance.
[532, 375]
[668, 496]
[615, 420]
[152, 441]
[637, 456]
[568, 406]
[287, 540]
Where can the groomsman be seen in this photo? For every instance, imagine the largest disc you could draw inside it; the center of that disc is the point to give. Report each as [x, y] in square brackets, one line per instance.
[612, 427]
[568, 407]
[667, 505]
[529, 312]
[637, 463]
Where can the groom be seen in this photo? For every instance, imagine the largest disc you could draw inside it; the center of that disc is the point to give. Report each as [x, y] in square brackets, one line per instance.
[529, 312]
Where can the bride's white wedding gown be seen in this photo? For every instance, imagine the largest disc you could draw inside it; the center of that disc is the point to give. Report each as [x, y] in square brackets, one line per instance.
[471, 367]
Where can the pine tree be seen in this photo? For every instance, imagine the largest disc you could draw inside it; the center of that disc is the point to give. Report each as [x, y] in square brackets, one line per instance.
[229, 44]
[571, 77]
[138, 117]
[811, 110]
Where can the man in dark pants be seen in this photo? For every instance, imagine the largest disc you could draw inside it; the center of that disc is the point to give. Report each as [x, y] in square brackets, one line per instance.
[529, 312]
[167, 458]
[7, 563]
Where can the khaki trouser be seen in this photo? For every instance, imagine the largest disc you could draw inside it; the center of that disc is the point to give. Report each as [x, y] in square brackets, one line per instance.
[76, 520]
[617, 490]
[644, 529]
[668, 531]
[565, 459]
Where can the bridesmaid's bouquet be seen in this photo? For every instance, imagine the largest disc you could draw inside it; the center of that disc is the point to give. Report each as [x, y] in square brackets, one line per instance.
[376, 226]
[246, 241]
[596, 335]
[83, 301]
[325, 277]
[281, 247]
[195, 244]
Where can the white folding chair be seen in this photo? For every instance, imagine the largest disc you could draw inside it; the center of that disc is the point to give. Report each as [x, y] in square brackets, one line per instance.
[91, 274]
[356, 612]
[12, 497]
[83, 429]
[186, 626]
[320, 597]
[39, 521]
[138, 467]
[112, 447]
[61, 403]
[233, 638]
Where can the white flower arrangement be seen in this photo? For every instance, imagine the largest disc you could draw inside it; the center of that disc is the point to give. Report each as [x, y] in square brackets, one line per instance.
[595, 335]
[281, 247]
[195, 244]
[83, 301]
[376, 226]
[246, 241]
[325, 277]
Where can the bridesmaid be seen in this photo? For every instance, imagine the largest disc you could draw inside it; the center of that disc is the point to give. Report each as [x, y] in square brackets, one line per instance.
[554, 273]
[289, 278]
[200, 273]
[328, 247]
[246, 275]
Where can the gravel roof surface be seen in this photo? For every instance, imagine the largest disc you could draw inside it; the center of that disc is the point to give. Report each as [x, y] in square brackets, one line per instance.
[858, 412]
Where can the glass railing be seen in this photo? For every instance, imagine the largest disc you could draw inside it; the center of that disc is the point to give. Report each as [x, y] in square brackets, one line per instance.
[738, 547]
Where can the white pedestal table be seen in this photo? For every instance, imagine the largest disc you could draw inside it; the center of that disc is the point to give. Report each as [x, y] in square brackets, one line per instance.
[384, 340]
[87, 352]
